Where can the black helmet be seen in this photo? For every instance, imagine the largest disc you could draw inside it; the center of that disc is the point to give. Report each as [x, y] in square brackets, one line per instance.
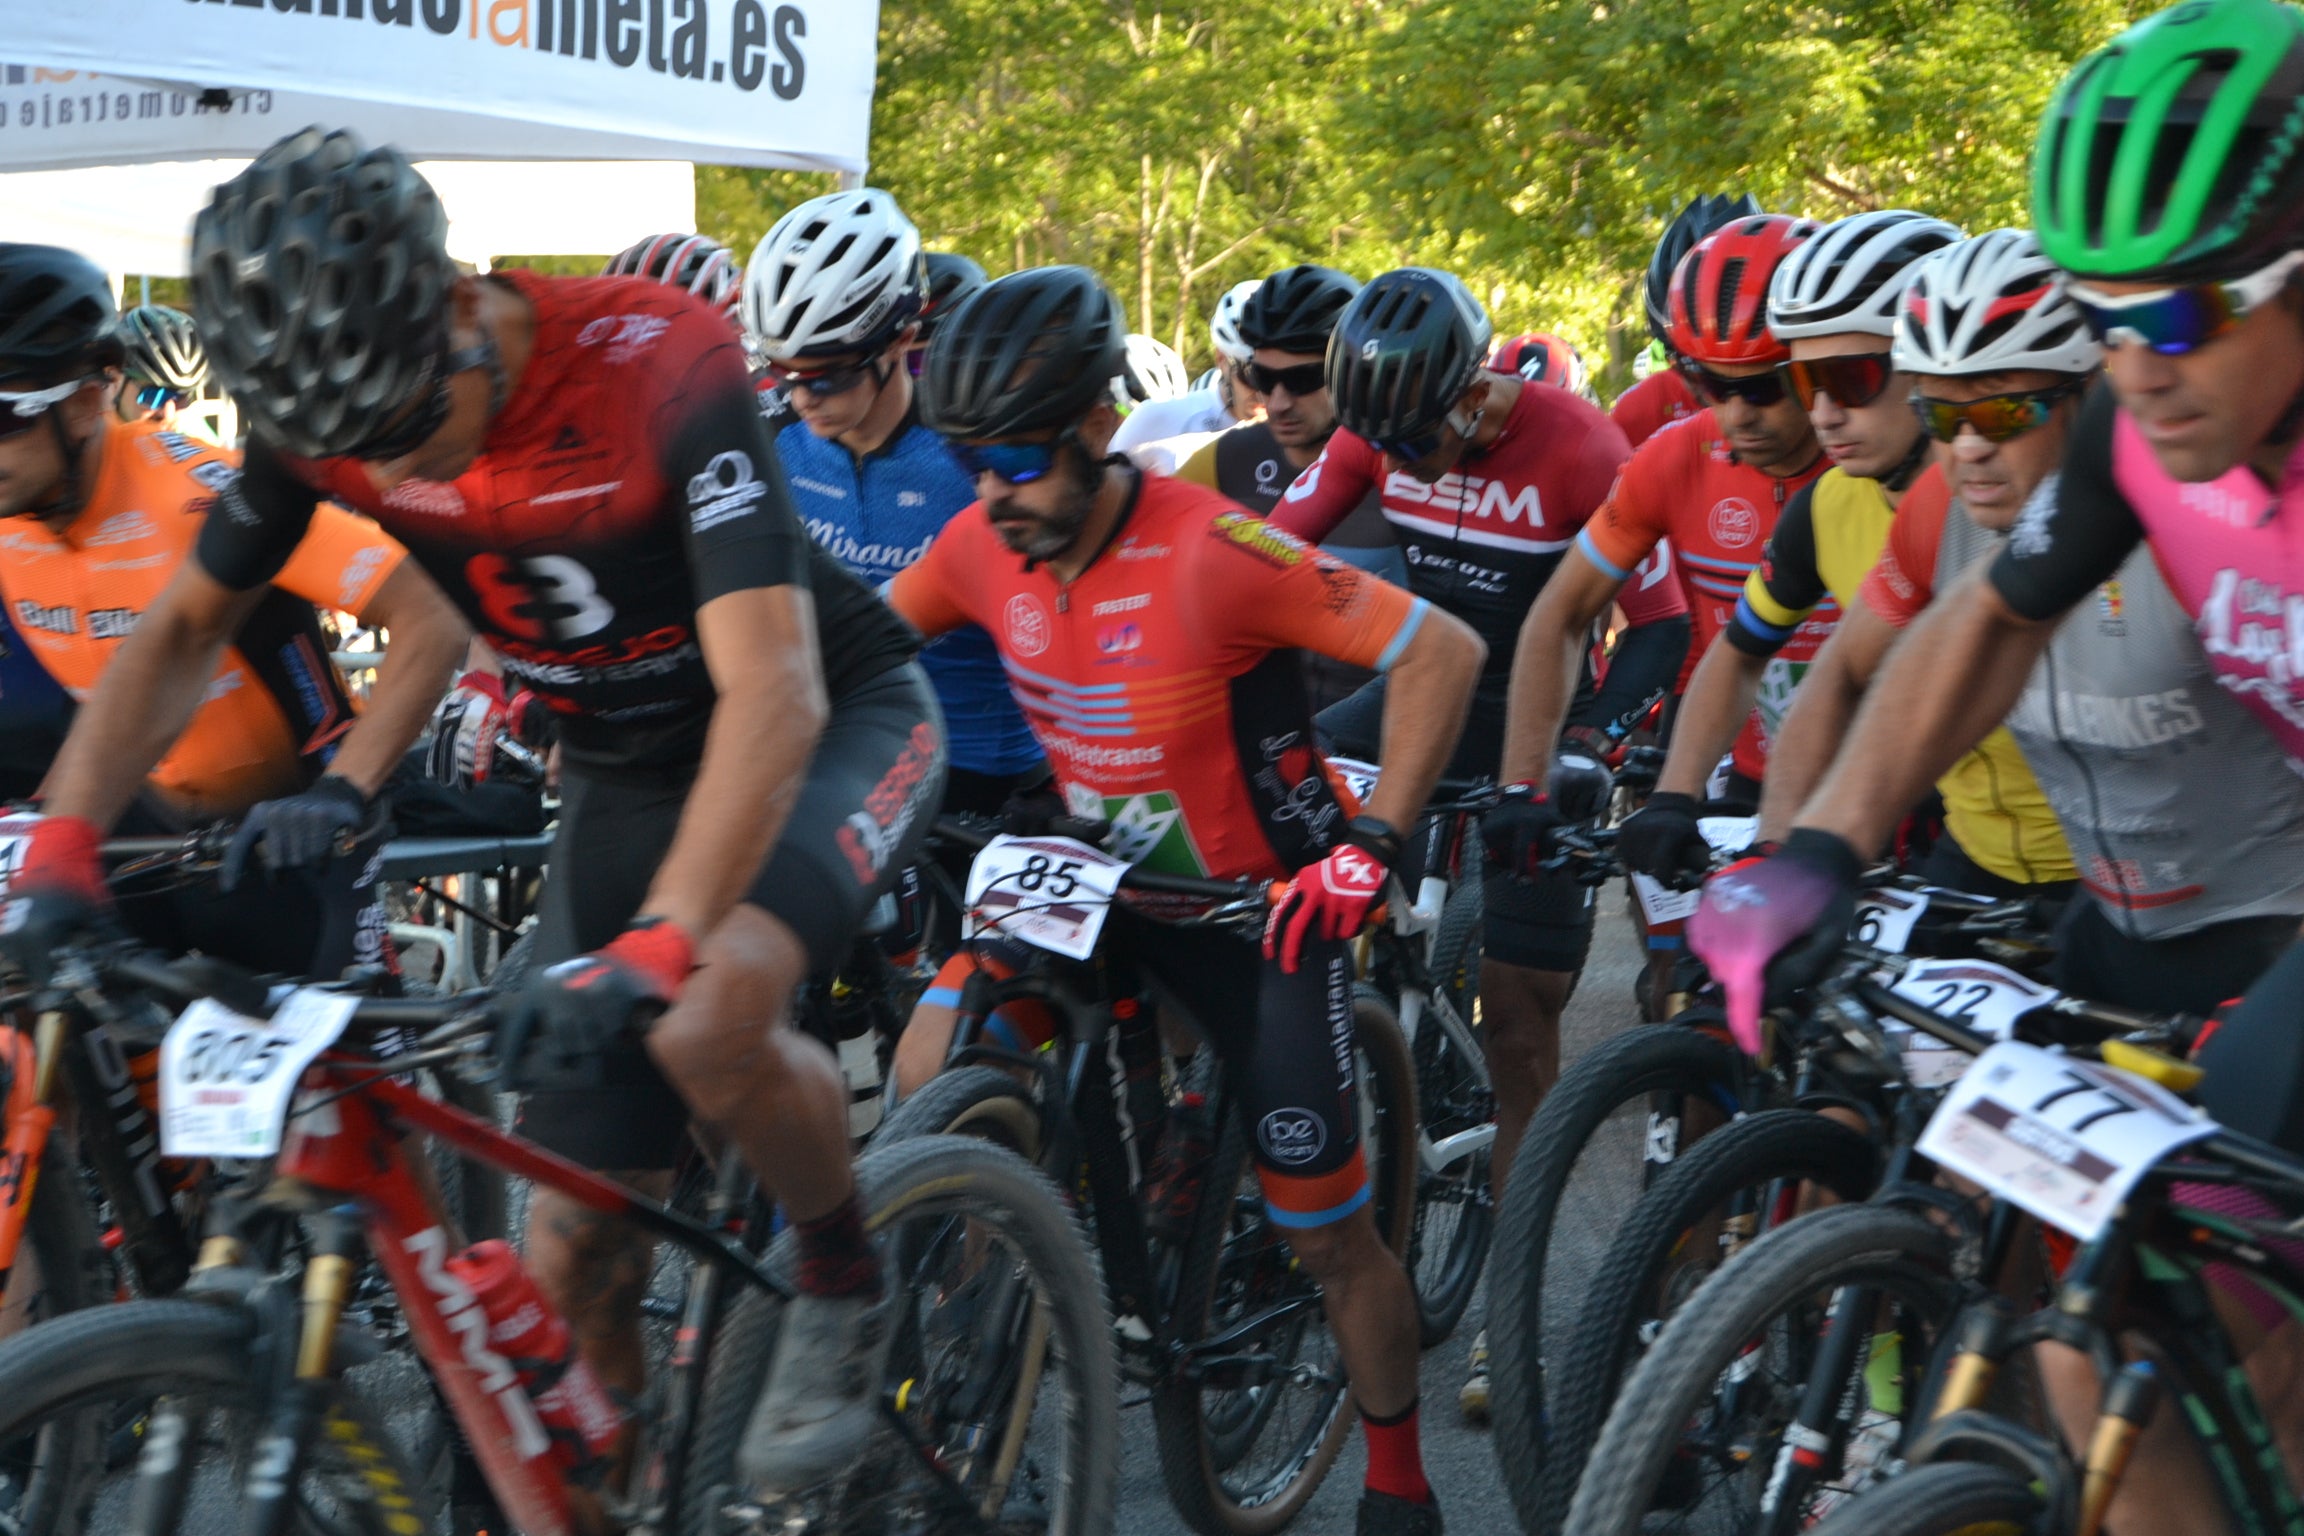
[1682, 235]
[1404, 351]
[1296, 310]
[163, 348]
[55, 314]
[1033, 351]
[951, 278]
[322, 281]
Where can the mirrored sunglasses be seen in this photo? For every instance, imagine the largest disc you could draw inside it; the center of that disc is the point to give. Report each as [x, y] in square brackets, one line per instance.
[1996, 418]
[1853, 381]
[2174, 321]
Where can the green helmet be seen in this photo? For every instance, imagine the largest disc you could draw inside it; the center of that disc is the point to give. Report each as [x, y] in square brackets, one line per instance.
[2175, 153]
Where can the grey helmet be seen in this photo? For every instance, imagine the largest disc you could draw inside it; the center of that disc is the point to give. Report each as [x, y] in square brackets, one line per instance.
[163, 348]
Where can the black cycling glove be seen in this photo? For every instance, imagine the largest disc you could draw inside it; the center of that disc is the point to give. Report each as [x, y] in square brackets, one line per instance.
[297, 832]
[1662, 841]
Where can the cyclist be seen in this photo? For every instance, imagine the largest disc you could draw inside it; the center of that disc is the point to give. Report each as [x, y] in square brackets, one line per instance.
[2193, 881]
[102, 515]
[1163, 433]
[1662, 396]
[1714, 484]
[1153, 372]
[951, 278]
[1485, 481]
[1203, 745]
[1543, 358]
[830, 301]
[163, 368]
[747, 753]
[697, 264]
[1832, 304]
[2193, 451]
[1286, 324]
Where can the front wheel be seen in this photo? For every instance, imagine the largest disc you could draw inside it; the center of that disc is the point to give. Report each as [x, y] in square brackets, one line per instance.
[1247, 1435]
[1951, 1499]
[1001, 1394]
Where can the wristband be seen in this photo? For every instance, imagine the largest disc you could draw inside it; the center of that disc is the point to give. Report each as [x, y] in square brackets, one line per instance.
[1377, 837]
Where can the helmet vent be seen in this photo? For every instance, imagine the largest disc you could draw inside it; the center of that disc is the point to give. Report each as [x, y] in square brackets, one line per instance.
[1731, 279]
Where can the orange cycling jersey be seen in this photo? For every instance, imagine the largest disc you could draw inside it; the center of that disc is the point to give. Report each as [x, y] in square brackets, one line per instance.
[1163, 681]
[275, 707]
[1685, 484]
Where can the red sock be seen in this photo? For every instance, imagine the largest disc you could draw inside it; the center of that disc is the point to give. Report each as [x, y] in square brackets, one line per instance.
[1395, 1458]
[836, 1257]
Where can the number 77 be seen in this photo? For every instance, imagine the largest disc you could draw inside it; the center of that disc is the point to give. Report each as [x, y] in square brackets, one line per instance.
[2081, 1085]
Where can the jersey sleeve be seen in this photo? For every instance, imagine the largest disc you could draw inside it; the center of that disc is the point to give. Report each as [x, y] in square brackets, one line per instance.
[1633, 518]
[2066, 545]
[720, 461]
[927, 594]
[1200, 468]
[1904, 581]
[1271, 590]
[1787, 584]
[1654, 594]
[1601, 458]
[341, 561]
[1330, 487]
[260, 516]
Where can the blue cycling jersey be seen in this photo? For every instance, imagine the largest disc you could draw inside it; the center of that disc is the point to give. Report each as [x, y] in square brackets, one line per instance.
[876, 515]
[35, 712]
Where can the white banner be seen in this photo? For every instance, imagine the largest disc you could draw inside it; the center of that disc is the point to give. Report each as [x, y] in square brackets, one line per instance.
[737, 82]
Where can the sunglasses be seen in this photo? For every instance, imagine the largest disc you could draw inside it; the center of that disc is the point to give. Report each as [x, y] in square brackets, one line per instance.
[153, 397]
[1996, 418]
[824, 383]
[2174, 321]
[1852, 381]
[1759, 391]
[1302, 379]
[1015, 463]
[21, 410]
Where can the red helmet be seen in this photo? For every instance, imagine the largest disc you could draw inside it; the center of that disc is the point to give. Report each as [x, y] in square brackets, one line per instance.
[1542, 358]
[1720, 291]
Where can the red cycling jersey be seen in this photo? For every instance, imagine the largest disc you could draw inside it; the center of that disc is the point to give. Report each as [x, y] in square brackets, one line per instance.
[1162, 679]
[1483, 538]
[1685, 484]
[1653, 404]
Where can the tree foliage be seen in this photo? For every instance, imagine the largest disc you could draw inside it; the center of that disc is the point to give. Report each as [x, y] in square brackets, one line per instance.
[1534, 146]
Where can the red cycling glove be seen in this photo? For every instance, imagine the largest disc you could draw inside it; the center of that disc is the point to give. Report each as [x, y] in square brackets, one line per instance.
[61, 855]
[1328, 900]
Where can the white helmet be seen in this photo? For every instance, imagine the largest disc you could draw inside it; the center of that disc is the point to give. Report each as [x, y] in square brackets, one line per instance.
[1989, 305]
[698, 263]
[1155, 372]
[1849, 275]
[839, 273]
[1224, 325]
[1208, 380]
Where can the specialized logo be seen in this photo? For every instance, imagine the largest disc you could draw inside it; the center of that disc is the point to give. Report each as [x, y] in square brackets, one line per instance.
[1291, 1137]
[1733, 522]
[1259, 538]
[1027, 624]
[468, 1321]
[121, 528]
[725, 489]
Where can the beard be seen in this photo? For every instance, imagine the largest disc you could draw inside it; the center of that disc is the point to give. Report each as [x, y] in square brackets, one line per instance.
[1042, 536]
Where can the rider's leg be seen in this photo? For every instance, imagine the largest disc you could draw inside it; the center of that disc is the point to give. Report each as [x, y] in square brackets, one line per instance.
[1536, 936]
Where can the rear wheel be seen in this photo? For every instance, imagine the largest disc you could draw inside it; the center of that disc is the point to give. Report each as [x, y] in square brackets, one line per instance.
[1247, 1437]
[1950, 1499]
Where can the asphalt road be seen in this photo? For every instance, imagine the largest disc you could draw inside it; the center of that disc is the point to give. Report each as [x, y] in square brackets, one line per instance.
[1459, 1458]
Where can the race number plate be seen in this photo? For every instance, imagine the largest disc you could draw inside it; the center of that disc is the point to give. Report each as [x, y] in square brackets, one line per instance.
[1661, 904]
[1050, 892]
[1977, 994]
[226, 1080]
[15, 836]
[1358, 777]
[1885, 919]
[2066, 1140]
[1728, 835]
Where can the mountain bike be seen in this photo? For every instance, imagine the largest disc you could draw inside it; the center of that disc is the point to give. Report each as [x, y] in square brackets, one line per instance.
[246, 1393]
[1214, 1319]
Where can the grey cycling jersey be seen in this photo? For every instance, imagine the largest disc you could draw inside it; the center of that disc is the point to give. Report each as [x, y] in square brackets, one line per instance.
[2178, 805]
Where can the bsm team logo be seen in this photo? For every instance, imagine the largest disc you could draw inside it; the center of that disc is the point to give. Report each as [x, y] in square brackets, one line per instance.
[1027, 624]
[1733, 523]
[1291, 1137]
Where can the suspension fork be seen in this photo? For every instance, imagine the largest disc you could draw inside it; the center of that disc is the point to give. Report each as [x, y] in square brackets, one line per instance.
[31, 1116]
[298, 1404]
[1828, 1405]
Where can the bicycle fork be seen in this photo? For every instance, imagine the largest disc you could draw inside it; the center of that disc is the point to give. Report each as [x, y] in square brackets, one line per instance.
[31, 1116]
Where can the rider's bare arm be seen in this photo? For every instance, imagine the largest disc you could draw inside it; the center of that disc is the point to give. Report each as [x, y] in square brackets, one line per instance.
[1545, 663]
[1424, 713]
[429, 640]
[1823, 708]
[1718, 701]
[760, 644]
[1957, 674]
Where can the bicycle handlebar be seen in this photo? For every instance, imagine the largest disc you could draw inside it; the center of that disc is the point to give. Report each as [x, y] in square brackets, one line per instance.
[973, 837]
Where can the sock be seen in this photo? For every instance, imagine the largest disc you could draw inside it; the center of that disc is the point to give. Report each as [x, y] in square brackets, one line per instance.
[1884, 1374]
[836, 1257]
[1395, 1459]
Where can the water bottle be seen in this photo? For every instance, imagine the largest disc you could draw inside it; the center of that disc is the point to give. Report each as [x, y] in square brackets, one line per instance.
[581, 1417]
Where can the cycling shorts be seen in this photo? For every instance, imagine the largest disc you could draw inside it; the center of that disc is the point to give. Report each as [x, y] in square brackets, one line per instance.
[858, 822]
[1286, 1043]
[2196, 972]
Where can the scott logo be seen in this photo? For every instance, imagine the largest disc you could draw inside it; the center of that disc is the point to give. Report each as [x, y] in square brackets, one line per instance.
[461, 1311]
[1291, 1136]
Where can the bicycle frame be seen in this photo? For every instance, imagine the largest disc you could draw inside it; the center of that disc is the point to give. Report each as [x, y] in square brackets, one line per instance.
[341, 1148]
